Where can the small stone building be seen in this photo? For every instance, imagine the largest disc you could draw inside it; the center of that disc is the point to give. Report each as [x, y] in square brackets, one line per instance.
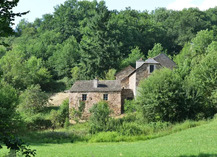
[93, 91]
[130, 77]
[116, 91]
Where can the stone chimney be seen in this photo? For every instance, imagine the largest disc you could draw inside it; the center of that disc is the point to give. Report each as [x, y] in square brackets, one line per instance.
[95, 83]
[139, 63]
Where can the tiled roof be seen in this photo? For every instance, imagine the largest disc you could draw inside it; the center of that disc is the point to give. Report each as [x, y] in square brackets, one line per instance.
[125, 72]
[151, 61]
[165, 61]
[161, 59]
[103, 86]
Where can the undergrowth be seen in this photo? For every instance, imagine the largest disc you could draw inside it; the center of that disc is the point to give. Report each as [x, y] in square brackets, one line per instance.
[129, 130]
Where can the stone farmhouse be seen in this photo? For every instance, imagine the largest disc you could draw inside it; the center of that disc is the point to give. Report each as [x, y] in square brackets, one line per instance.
[116, 91]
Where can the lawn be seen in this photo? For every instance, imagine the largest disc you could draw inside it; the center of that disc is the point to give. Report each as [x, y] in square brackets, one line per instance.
[199, 141]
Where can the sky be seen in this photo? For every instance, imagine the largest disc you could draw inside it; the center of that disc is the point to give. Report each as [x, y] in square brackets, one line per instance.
[38, 8]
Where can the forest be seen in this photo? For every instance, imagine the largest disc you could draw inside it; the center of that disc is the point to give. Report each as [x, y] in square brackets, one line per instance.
[82, 40]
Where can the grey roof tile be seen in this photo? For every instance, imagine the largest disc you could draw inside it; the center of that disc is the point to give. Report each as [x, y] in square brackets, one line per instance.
[151, 61]
[124, 73]
[103, 86]
[165, 61]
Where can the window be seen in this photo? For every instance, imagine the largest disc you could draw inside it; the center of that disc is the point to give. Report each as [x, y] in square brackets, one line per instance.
[84, 97]
[105, 96]
[151, 68]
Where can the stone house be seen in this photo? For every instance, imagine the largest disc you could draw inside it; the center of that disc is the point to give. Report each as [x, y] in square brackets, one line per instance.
[93, 91]
[116, 91]
[130, 77]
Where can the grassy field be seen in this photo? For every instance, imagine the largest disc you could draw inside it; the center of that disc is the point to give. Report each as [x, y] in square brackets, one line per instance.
[199, 141]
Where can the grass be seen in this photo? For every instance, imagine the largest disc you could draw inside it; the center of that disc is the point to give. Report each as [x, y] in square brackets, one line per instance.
[199, 141]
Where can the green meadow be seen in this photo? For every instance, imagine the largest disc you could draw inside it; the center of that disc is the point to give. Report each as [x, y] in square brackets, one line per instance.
[200, 141]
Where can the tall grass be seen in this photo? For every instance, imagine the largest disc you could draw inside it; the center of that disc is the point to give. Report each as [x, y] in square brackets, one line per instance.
[126, 129]
[134, 132]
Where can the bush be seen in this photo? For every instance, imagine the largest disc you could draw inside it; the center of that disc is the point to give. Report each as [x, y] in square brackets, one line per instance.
[81, 106]
[59, 117]
[105, 137]
[161, 97]
[114, 124]
[55, 119]
[63, 112]
[99, 117]
[77, 114]
[129, 106]
[131, 129]
[32, 101]
[38, 122]
[66, 124]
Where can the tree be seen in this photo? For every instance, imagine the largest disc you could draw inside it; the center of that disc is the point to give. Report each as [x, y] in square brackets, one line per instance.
[22, 73]
[8, 95]
[202, 40]
[192, 53]
[99, 51]
[132, 58]
[201, 84]
[65, 58]
[8, 103]
[76, 74]
[156, 50]
[110, 75]
[7, 16]
[10, 120]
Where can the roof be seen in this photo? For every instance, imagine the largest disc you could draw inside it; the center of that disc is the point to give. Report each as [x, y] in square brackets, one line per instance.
[165, 61]
[161, 59]
[151, 61]
[103, 86]
[125, 72]
[140, 60]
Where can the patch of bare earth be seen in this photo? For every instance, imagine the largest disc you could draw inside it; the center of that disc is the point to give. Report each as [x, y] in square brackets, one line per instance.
[57, 98]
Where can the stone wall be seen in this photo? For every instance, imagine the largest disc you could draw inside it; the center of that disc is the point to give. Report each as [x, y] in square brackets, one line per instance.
[114, 101]
[125, 83]
[132, 83]
[143, 72]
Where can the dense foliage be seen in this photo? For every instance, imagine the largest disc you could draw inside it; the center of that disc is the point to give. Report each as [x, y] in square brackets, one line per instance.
[83, 40]
[187, 92]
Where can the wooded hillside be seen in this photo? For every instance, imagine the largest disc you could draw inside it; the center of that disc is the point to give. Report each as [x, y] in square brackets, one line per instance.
[83, 40]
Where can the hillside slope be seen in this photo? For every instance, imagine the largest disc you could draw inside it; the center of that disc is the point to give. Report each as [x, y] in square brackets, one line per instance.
[199, 141]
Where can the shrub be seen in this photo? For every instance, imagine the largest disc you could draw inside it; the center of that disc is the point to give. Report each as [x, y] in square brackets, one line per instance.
[99, 117]
[81, 107]
[130, 129]
[129, 106]
[66, 124]
[114, 124]
[105, 137]
[55, 119]
[38, 122]
[32, 101]
[161, 97]
[77, 114]
[63, 112]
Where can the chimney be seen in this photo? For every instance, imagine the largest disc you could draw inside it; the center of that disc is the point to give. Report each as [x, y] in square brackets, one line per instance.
[139, 63]
[95, 83]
